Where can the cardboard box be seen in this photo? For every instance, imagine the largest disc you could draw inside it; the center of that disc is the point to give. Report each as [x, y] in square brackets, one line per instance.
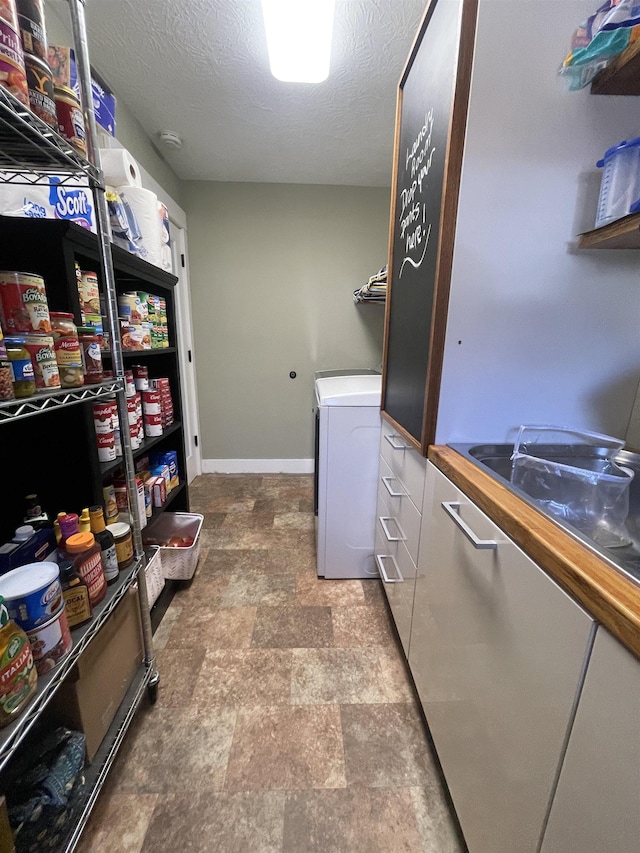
[91, 694]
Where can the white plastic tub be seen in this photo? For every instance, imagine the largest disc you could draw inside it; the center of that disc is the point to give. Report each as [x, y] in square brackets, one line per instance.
[178, 561]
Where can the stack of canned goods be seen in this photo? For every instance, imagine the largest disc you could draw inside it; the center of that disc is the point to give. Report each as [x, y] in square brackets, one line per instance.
[25, 319]
[143, 321]
[107, 427]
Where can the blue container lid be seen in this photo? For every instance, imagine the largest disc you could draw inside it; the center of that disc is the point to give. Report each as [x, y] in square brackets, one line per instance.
[615, 149]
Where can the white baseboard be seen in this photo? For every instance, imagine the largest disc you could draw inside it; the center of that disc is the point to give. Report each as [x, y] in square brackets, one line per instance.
[257, 466]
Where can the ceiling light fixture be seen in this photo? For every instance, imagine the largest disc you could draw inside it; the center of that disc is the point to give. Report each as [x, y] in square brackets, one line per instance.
[299, 38]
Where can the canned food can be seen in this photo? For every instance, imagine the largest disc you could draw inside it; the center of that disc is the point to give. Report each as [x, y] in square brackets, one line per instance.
[103, 417]
[131, 410]
[51, 642]
[70, 118]
[40, 86]
[151, 403]
[88, 291]
[32, 27]
[153, 425]
[106, 442]
[141, 377]
[12, 73]
[23, 300]
[43, 358]
[130, 385]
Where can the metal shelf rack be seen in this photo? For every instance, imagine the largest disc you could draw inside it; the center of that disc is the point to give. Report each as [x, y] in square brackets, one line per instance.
[30, 152]
[14, 410]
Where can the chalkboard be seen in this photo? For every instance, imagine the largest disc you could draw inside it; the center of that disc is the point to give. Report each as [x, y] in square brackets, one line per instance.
[430, 121]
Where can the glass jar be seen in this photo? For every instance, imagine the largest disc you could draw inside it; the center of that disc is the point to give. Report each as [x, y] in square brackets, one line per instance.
[6, 373]
[92, 356]
[67, 349]
[24, 381]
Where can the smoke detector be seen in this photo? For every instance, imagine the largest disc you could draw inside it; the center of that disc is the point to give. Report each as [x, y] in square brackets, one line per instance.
[170, 139]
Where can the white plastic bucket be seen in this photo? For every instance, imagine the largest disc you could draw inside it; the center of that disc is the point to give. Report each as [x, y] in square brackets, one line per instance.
[32, 593]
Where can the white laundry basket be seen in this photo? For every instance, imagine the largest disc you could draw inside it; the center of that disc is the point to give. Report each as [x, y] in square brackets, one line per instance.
[178, 562]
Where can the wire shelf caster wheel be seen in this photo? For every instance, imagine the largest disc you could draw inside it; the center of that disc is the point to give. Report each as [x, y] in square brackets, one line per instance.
[152, 688]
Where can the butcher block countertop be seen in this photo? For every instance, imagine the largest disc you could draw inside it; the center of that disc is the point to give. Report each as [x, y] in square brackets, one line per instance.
[610, 597]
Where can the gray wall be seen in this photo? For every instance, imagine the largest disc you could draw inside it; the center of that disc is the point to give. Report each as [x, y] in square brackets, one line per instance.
[273, 268]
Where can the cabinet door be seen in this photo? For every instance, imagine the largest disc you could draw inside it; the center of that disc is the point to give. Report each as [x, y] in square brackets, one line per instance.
[597, 804]
[496, 651]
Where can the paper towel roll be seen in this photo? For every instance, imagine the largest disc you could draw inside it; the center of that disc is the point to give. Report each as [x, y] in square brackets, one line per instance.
[144, 204]
[119, 167]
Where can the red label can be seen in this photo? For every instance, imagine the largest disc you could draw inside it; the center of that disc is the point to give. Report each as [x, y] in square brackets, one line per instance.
[23, 300]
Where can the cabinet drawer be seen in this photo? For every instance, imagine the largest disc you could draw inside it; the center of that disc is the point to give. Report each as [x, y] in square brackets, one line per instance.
[400, 508]
[405, 463]
[391, 557]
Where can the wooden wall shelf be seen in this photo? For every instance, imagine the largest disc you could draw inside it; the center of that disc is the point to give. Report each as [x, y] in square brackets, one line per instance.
[622, 76]
[622, 234]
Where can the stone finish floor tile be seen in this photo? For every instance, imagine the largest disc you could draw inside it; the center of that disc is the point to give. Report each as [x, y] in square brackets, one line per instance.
[179, 674]
[345, 676]
[332, 593]
[292, 627]
[119, 823]
[192, 822]
[385, 747]
[254, 586]
[286, 748]
[246, 677]
[168, 750]
[361, 627]
[210, 629]
[438, 829]
[286, 718]
[351, 821]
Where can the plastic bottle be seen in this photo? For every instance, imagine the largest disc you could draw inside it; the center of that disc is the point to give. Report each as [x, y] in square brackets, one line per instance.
[84, 522]
[18, 675]
[76, 595]
[107, 544]
[68, 522]
[83, 549]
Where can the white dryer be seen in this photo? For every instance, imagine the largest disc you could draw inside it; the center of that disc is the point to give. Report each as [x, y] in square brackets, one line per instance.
[348, 427]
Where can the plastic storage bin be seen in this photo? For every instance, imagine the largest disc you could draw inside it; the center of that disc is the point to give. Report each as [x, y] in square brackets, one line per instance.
[154, 575]
[620, 185]
[572, 474]
[178, 561]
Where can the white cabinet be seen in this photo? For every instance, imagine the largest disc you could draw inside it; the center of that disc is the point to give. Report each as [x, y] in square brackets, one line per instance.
[597, 803]
[496, 652]
[398, 519]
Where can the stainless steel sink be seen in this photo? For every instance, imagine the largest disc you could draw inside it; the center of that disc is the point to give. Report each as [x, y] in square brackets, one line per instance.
[495, 459]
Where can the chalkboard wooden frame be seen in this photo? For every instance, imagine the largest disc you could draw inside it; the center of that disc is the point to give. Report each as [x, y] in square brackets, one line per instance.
[415, 322]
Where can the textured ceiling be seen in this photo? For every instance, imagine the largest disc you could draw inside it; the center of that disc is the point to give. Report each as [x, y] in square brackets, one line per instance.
[200, 68]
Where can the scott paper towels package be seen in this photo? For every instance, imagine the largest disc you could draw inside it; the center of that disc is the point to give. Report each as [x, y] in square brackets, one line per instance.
[59, 198]
[144, 205]
[119, 168]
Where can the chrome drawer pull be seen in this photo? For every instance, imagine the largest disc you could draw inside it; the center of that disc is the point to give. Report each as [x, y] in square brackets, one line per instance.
[381, 569]
[383, 519]
[385, 480]
[452, 508]
[395, 446]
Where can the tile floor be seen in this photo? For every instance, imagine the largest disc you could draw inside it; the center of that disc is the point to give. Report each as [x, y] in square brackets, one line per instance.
[285, 720]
